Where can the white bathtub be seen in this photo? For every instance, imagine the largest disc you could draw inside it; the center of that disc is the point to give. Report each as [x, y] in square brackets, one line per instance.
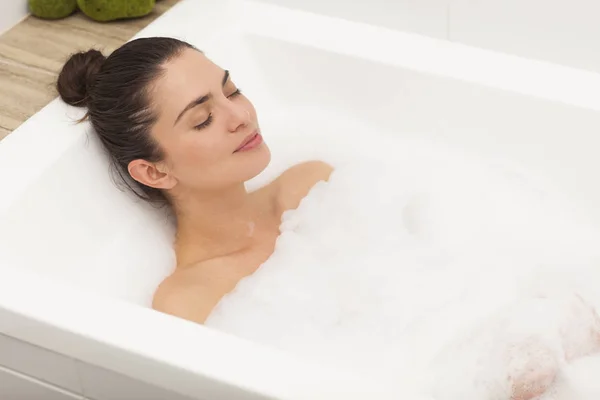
[60, 215]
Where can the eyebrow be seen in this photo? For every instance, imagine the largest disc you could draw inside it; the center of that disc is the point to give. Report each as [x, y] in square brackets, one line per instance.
[200, 100]
[225, 78]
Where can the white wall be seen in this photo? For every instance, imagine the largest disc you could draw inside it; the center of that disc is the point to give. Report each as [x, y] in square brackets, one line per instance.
[561, 31]
[426, 17]
[11, 13]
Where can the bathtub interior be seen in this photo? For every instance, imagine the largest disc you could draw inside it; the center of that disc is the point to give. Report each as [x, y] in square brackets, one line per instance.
[62, 217]
[555, 140]
[89, 233]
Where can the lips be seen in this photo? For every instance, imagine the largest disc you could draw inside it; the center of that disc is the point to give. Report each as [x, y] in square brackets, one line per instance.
[249, 142]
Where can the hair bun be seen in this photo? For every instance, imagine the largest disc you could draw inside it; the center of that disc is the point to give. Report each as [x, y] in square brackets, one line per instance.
[77, 75]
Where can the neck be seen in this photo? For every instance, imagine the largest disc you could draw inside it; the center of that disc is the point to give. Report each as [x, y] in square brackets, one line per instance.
[219, 223]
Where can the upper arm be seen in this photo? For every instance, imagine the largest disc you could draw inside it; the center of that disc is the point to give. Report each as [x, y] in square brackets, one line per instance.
[298, 180]
[190, 301]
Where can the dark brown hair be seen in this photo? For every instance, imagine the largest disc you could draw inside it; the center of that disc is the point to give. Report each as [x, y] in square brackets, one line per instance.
[116, 92]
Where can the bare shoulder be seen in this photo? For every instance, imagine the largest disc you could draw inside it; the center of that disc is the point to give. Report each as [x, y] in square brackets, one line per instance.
[295, 183]
[183, 298]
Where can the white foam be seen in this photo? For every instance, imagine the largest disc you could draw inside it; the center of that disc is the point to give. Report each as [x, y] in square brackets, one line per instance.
[416, 262]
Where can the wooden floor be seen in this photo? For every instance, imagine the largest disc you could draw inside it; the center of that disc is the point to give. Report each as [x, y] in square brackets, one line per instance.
[32, 53]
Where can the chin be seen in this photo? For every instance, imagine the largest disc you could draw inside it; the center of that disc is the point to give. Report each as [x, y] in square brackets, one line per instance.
[256, 162]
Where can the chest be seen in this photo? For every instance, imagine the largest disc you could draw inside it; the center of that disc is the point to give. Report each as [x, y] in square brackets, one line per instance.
[224, 273]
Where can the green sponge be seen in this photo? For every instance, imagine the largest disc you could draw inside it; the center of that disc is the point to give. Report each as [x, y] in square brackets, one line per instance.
[52, 9]
[108, 10]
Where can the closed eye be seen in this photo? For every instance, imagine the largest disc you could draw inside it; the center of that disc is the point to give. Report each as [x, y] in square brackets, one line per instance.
[235, 94]
[205, 123]
[208, 121]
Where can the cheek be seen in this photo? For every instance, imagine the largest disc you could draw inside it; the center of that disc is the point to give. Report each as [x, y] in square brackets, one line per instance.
[197, 151]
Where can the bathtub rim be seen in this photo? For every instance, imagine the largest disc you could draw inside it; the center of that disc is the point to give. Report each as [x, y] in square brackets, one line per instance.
[197, 360]
[488, 68]
[533, 78]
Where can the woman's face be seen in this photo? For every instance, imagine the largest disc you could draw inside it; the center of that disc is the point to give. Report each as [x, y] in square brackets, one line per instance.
[207, 130]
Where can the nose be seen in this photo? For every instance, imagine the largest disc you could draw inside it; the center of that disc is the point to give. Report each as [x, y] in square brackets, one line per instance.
[238, 117]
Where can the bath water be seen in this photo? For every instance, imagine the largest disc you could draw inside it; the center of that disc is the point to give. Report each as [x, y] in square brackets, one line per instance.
[420, 263]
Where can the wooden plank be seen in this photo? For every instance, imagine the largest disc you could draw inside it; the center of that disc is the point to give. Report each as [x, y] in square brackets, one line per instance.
[47, 44]
[3, 133]
[23, 92]
[33, 52]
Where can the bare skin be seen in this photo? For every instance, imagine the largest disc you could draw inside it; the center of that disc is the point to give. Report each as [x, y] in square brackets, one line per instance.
[525, 360]
[580, 336]
[202, 127]
[206, 273]
[209, 134]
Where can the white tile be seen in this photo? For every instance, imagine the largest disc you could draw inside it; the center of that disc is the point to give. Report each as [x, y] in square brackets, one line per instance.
[39, 363]
[14, 386]
[101, 384]
[561, 31]
[426, 17]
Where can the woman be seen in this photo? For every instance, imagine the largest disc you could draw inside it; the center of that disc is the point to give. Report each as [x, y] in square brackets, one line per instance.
[189, 139]
[183, 134]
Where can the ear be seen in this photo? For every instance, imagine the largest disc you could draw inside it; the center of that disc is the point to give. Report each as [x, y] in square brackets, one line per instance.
[151, 174]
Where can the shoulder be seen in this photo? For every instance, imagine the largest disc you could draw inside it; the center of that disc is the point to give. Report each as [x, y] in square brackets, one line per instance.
[295, 183]
[308, 172]
[192, 301]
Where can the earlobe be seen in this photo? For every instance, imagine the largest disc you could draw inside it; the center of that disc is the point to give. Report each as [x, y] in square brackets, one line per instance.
[149, 174]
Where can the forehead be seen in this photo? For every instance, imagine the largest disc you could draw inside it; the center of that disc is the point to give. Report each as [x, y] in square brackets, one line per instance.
[186, 77]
